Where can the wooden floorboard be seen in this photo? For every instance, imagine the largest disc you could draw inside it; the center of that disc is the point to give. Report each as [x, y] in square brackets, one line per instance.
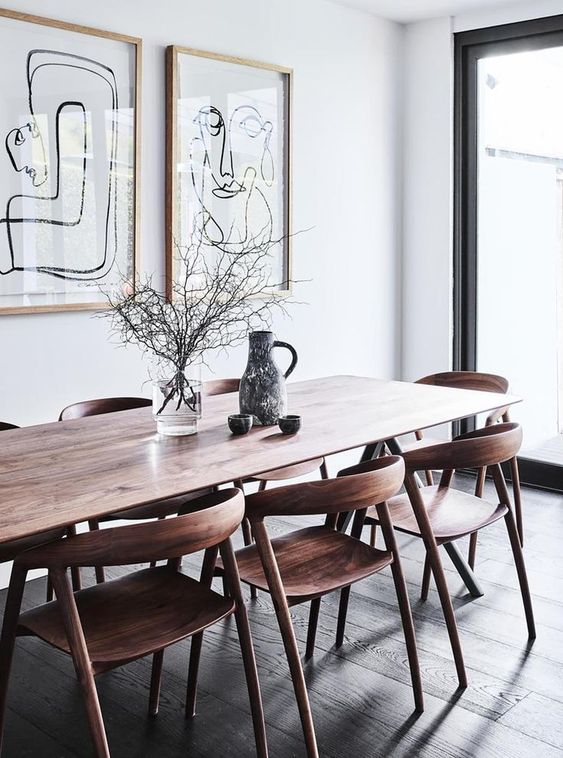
[360, 694]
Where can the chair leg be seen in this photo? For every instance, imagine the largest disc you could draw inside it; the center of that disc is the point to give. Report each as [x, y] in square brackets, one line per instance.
[312, 628]
[156, 676]
[356, 532]
[426, 574]
[427, 535]
[522, 576]
[373, 535]
[429, 478]
[8, 638]
[502, 492]
[247, 538]
[75, 570]
[447, 608]
[275, 585]
[515, 476]
[206, 578]
[408, 631]
[298, 680]
[404, 605]
[472, 550]
[246, 532]
[342, 613]
[246, 649]
[82, 663]
[193, 670]
[479, 487]
[49, 592]
[93, 525]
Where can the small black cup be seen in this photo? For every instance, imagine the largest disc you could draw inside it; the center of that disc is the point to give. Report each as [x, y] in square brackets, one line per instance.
[240, 423]
[289, 424]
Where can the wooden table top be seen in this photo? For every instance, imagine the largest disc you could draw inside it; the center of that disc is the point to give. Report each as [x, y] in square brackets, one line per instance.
[67, 472]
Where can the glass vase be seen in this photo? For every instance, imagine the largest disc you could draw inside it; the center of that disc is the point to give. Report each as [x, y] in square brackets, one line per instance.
[176, 403]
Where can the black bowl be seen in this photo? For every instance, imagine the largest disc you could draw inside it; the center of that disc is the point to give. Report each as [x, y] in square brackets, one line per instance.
[289, 424]
[240, 423]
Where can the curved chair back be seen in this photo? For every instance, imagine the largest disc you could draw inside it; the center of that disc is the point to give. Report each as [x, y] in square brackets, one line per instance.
[216, 518]
[479, 449]
[220, 386]
[471, 380]
[102, 405]
[5, 427]
[379, 480]
[467, 380]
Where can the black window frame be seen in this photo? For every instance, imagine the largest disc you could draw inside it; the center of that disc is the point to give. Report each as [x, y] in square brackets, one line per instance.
[469, 47]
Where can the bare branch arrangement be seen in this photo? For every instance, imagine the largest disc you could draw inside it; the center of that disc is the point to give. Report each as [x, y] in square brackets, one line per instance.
[215, 304]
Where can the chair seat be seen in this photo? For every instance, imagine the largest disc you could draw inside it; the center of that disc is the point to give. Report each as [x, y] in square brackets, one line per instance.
[289, 472]
[129, 618]
[9, 550]
[452, 513]
[313, 561]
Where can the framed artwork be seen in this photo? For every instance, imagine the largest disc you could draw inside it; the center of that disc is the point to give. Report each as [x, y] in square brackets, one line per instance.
[228, 160]
[69, 154]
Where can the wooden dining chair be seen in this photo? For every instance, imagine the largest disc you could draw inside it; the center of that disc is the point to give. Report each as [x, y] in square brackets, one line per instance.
[470, 380]
[142, 613]
[439, 514]
[160, 509]
[306, 564]
[10, 550]
[228, 386]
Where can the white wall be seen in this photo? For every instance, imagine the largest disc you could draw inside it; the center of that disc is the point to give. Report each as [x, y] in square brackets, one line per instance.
[427, 178]
[346, 153]
[427, 172]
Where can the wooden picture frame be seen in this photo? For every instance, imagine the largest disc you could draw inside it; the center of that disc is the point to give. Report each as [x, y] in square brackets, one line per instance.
[240, 71]
[74, 229]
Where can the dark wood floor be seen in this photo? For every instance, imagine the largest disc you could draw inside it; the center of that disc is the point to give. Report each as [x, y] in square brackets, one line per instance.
[360, 694]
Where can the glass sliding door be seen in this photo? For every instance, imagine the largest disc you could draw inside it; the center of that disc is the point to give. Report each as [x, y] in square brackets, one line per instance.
[509, 230]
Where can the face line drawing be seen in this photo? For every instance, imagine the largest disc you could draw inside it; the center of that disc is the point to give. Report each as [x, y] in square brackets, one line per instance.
[18, 137]
[229, 184]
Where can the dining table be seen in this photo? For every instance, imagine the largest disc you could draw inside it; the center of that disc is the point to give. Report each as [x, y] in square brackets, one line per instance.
[68, 472]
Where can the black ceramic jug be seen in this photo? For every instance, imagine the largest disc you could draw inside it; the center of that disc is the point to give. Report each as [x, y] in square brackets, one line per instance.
[262, 386]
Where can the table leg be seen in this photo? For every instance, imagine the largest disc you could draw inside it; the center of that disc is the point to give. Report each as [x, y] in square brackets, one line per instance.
[461, 565]
[463, 569]
[371, 451]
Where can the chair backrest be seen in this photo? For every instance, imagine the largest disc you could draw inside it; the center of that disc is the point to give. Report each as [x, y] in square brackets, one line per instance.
[217, 516]
[374, 482]
[467, 380]
[103, 405]
[471, 380]
[4, 426]
[484, 447]
[220, 386]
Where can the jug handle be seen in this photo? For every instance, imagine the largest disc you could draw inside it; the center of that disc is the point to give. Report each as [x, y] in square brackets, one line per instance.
[278, 343]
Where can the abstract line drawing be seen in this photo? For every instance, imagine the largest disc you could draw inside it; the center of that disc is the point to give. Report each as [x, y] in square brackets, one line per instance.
[15, 141]
[214, 169]
[228, 163]
[79, 203]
